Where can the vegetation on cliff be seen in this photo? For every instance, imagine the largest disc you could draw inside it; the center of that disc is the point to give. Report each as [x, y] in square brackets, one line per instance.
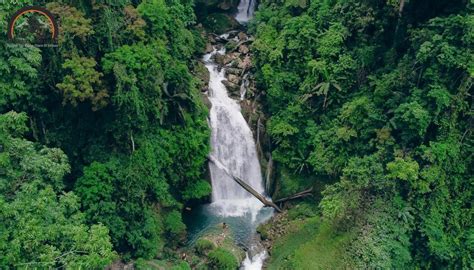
[118, 97]
[374, 99]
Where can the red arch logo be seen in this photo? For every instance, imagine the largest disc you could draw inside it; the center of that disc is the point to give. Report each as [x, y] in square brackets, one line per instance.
[53, 26]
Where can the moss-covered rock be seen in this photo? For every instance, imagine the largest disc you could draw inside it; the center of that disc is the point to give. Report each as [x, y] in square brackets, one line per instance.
[222, 259]
[202, 74]
[219, 23]
[219, 236]
[203, 246]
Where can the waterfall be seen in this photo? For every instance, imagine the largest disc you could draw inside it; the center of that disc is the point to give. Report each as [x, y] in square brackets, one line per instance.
[233, 145]
[244, 86]
[246, 9]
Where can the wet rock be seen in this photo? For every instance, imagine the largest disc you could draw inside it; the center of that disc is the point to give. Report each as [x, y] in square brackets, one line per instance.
[236, 55]
[242, 36]
[221, 236]
[244, 49]
[246, 63]
[232, 88]
[211, 39]
[234, 79]
[228, 59]
[206, 101]
[234, 71]
[220, 59]
[209, 48]
[233, 34]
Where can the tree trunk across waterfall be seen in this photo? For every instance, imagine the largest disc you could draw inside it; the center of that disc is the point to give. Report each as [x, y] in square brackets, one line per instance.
[244, 185]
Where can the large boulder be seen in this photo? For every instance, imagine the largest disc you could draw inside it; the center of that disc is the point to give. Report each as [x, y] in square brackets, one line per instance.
[234, 71]
[242, 36]
[246, 63]
[244, 49]
[232, 88]
[233, 79]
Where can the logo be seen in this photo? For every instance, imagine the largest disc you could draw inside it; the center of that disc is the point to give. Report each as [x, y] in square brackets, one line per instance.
[34, 26]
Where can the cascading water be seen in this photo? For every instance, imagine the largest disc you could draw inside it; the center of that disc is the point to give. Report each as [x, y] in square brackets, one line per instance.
[246, 9]
[233, 146]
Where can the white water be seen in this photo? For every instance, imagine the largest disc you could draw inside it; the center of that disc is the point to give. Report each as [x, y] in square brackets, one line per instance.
[246, 9]
[254, 263]
[232, 144]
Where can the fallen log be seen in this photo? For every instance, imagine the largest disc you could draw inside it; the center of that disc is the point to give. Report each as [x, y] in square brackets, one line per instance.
[301, 194]
[244, 185]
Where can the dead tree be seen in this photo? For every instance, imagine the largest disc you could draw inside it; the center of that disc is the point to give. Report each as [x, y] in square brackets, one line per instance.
[244, 185]
[301, 194]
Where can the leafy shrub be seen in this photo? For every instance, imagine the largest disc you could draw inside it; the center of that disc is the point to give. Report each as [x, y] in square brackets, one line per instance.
[222, 259]
[301, 211]
[174, 224]
[263, 230]
[203, 245]
[181, 266]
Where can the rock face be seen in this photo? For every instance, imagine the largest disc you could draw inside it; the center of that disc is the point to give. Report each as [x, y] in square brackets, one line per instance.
[217, 16]
[233, 78]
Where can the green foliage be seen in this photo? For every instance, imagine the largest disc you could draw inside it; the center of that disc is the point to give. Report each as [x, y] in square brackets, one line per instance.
[174, 224]
[310, 244]
[303, 210]
[203, 246]
[8, 8]
[73, 25]
[384, 242]
[118, 97]
[374, 96]
[84, 83]
[169, 21]
[43, 230]
[18, 75]
[181, 266]
[138, 78]
[24, 162]
[197, 190]
[111, 195]
[220, 258]
[41, 225]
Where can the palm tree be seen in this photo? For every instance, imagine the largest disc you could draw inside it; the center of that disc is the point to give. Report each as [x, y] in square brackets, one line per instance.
[323, 86]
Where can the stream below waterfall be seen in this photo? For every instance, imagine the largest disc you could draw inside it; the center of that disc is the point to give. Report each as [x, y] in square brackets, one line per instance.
[233, 145]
